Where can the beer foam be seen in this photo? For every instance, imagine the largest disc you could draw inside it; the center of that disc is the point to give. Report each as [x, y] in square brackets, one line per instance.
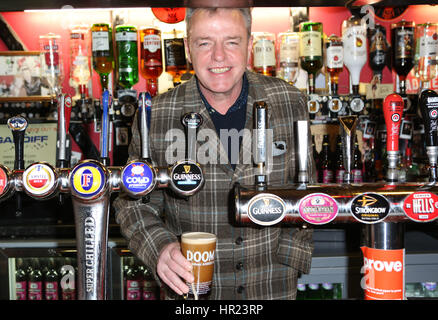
[198, 237]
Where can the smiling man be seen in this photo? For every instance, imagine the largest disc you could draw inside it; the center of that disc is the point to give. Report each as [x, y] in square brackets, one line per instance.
[250, 262]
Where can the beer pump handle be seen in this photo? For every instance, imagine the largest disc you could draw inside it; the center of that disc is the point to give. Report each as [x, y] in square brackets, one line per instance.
[64, 114]
[393, 112]
[104, 137]
[348, 133]
[260, 124]
[428, 104]
[18, 127]
[144, 106]
[303, 144]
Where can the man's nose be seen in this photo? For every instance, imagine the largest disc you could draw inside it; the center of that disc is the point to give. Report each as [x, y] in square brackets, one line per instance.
[218, 52]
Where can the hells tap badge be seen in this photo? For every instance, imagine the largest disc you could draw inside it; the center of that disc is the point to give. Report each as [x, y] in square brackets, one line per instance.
[421, 206]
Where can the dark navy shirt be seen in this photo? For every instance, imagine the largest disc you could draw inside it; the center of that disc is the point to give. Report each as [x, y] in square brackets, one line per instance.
[234, 119]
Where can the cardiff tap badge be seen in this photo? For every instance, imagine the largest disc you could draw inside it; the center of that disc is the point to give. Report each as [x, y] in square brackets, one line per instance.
[266, 209]
[38, 179]
[137, 177]
[370, 208]
[421, 206]
[318, 208]
[87, 180]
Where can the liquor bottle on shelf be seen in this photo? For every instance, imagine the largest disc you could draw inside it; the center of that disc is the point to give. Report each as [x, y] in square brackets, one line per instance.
[311, 59]
[334, 66]
[174, 54]
[354, 38]
[339, 168]
[288, 56]
[263, 53]
[378, 52]
[35, 282]
[102, 51]
[127, 62]
[403, 51]
[80, 71]
[357, 171]
[427, 36]
[326, 168]
[151, 62]
[51, 280]
[20, 280]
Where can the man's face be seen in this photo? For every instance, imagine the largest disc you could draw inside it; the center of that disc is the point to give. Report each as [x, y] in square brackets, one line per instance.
[219, 49]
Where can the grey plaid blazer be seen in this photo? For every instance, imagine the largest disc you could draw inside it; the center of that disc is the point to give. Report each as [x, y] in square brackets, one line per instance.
[251, 262]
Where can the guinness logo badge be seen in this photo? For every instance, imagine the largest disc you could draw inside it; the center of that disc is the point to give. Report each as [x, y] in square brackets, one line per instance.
[266, 209]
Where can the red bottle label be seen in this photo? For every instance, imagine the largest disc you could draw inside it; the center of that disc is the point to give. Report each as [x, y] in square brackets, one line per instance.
[52, 290]
[133, 290]
[149, 290]
[35, 290]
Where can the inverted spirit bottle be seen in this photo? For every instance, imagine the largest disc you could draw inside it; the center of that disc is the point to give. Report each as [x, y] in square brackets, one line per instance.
[174, 55]
[52, 68]
[354, 38]
[102, 51]
[127, 58]
[378, 51]
[428, 51]
[263, 53]
[311, 50]
[288, 56]
[334, 66]
[403, 50]
[151, 62]
[80, 71]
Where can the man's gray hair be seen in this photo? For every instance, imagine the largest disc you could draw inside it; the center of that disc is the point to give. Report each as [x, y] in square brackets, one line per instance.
[246, 13]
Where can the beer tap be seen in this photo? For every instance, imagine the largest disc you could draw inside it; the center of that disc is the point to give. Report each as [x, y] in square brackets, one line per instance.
[428, 104]
[393, 112]
[138, 176]
[18, 125]
[348, 133]
[104, 140]
[63, 141]
[260, 124]
[303, 144]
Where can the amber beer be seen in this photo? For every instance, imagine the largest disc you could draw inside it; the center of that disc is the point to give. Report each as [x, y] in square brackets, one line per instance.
[199, 248]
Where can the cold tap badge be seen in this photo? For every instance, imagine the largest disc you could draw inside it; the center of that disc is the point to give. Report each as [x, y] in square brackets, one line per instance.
[138, 178]
[199, 248]
[421, 206]
[370, 208]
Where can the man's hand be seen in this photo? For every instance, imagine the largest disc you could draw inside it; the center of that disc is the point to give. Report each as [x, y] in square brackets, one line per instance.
[172, 266]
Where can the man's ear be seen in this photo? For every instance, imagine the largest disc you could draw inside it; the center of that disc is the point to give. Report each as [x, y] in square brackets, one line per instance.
[249, 49]
[187, 49]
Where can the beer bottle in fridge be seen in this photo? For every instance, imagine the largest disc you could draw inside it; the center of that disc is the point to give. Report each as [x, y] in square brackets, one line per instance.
[20, 280]
[35, 283]
[326, 171]
[51, 280]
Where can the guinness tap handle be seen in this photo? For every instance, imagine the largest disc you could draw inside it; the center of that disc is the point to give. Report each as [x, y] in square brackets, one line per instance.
[429, 111]
[18, 127]
[64, 114]
[104, 136]
[303, 144]
[393, 112]
[260, 124]
[348, 133]
[144, 106]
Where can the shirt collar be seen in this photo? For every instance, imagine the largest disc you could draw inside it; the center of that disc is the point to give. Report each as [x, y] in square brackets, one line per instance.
[240, 102]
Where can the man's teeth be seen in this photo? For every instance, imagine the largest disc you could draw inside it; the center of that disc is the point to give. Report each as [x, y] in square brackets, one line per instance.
[220, 70]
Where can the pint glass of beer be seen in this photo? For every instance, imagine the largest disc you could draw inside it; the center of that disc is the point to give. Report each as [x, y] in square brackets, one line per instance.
[199, 248]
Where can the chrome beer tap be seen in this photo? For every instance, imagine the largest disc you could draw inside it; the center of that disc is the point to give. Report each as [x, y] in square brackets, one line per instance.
[428, 104]
[18, 125]
[138, 177]
[260, 126]
[348, 132]
[91, 184]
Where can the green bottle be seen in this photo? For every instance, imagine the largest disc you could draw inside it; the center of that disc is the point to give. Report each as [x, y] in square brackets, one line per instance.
[127, 56]
[311, 50]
